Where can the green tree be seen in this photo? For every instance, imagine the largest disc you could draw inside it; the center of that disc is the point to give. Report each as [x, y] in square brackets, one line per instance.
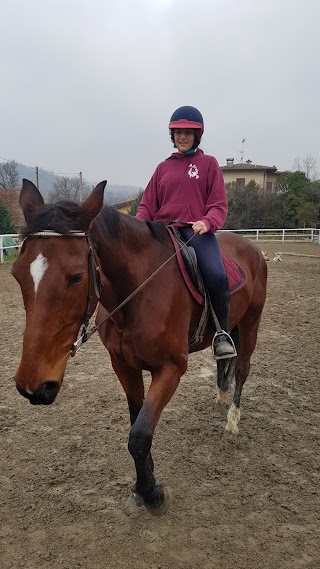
[294, 189]
[313, 196]
[6, 224]
[278, 214]
[248, 206]
[307, 214]
[134, 206]
[294, 182]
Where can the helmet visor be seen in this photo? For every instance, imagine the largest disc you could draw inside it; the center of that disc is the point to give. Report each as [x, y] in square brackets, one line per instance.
[184, 123]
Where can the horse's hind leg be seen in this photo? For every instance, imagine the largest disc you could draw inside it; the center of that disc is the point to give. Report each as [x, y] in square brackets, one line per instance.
[248, 330]
[225, 374]
[225, 371]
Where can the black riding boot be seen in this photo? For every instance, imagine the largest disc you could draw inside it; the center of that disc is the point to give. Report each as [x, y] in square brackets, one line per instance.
[222, 345]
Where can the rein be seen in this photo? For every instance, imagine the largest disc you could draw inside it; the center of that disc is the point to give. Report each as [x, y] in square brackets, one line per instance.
[94, 279]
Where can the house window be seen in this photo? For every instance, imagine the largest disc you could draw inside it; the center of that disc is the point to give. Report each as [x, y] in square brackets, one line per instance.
[240, 183]
[269, 186]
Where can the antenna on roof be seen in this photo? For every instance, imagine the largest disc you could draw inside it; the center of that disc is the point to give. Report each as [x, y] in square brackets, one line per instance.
[242, 151]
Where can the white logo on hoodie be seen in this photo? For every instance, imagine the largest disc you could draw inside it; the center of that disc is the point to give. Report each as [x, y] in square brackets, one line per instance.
[193, 171]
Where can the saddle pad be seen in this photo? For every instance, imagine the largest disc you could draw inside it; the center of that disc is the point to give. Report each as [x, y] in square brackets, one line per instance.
[235, 274]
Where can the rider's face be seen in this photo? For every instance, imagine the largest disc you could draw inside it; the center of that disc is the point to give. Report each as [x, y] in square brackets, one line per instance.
[183, 139]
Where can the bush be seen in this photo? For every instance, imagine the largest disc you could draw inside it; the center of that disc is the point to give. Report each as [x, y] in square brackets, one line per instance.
[6, 223]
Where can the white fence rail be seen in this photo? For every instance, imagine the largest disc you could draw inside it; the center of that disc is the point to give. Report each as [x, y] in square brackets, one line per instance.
[310, 235]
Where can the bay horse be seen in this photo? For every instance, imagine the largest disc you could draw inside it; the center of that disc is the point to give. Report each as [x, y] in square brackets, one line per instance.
[67, 249]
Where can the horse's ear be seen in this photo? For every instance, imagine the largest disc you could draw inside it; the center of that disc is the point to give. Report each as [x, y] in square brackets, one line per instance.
[93, 204]
[30, 199]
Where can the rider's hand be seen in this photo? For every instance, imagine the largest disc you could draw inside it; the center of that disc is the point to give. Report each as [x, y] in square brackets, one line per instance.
[199, 227]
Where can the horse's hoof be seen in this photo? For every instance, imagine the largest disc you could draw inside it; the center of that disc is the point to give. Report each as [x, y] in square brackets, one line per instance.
[133, 505]
[138, 500]
[232, 429]
[222, 397]
[154, 498]
[164, 506]
[158, 507]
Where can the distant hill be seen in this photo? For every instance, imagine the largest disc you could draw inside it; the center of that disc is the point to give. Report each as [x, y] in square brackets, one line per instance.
[113, 193]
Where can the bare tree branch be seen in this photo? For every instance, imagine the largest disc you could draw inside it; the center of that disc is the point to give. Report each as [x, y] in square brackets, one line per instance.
[308, 165]
[9, 175]
[66, 188]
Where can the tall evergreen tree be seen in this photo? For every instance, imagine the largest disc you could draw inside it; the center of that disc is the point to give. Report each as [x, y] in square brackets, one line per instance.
[134, 206]
[6, 224]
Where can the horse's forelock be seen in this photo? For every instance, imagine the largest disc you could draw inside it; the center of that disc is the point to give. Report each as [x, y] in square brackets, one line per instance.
[62, 217]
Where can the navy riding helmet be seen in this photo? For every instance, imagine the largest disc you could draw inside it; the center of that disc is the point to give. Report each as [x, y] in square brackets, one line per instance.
[187, 117]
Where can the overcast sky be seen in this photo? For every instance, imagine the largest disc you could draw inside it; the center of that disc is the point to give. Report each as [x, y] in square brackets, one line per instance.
[90, 85]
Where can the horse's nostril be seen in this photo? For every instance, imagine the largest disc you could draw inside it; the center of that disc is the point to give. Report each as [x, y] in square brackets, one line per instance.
[46, 393]
[51, 387]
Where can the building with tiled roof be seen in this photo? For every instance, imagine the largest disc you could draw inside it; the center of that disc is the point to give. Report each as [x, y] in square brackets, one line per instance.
[124, 207]
[241, 174]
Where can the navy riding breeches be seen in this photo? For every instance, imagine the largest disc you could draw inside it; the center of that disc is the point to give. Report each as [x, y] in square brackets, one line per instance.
[209, 258]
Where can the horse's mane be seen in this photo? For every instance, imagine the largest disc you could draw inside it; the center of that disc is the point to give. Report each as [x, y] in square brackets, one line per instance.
[66, 216]
[108, 222]
[113, 224]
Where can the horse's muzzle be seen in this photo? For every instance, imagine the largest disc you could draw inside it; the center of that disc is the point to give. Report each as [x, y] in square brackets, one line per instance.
[45, 394]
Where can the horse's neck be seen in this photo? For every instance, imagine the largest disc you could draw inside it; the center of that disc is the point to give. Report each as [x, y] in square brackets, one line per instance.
[129, 260]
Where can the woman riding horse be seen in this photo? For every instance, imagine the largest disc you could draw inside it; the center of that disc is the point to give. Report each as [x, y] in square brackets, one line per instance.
[189, 186]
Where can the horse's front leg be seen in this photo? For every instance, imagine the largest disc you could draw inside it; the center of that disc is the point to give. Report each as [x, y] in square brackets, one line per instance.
[132, 383]
[164, 383]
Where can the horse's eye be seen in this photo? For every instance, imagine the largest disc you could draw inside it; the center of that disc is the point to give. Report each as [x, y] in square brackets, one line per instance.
[74, 279]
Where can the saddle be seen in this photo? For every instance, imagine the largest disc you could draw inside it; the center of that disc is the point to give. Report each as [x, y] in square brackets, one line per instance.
[187, 261]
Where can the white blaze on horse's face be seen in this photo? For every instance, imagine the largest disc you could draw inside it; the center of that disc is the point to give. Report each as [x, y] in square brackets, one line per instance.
[37, 269]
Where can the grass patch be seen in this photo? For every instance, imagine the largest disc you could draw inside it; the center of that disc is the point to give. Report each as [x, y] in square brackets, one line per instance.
[11, 257]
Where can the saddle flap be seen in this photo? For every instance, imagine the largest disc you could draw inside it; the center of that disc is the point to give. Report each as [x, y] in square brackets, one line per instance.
[189, 258]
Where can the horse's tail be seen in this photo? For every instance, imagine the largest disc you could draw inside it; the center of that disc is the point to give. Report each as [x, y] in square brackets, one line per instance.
[226, 367]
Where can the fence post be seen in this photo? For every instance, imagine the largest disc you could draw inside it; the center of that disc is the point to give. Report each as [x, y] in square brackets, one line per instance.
[1, 249]
[283, 233]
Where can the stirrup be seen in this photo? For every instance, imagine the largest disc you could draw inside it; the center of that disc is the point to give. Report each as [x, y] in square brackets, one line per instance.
[232, 354]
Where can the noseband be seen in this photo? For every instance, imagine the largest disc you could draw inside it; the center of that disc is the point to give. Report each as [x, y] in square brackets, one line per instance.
[93, 277]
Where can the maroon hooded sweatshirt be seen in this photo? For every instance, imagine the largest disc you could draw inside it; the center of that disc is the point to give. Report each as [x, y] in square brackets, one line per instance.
[188, 188]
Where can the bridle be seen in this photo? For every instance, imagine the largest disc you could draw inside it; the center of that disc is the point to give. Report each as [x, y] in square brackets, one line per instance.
[95, 282]
[94, 279]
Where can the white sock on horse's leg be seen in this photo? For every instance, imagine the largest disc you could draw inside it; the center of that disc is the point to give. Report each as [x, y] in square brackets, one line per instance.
[233, 419]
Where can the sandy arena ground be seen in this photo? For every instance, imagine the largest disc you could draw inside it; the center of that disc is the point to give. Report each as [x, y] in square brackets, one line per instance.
[251, 502]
